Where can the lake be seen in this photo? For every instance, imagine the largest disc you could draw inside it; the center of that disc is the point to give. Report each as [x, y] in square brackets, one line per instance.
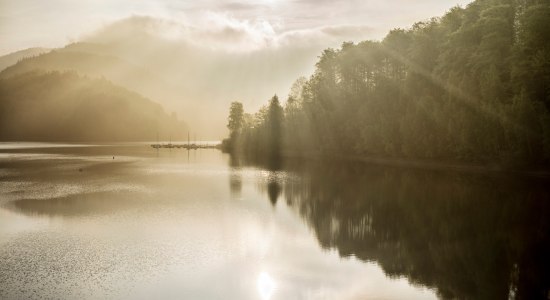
[132, 222]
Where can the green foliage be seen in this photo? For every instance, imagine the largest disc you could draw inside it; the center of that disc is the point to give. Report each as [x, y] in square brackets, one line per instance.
[471, 86]
[235, 125]
[259, 135]
[69, 108]
[274, 123]
[236, 118]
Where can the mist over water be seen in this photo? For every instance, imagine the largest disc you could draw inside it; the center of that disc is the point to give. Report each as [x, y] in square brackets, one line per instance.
[129, 221]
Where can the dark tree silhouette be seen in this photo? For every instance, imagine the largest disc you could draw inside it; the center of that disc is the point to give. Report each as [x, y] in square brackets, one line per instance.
[471, 86]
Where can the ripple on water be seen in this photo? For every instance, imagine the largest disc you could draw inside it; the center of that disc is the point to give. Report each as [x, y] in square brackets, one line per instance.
[17, 190]
[43, 265]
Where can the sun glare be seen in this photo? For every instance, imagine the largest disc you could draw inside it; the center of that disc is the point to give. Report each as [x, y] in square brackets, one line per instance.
[266, 286]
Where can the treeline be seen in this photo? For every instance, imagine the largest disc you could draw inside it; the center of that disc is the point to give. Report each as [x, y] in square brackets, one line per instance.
[259, 134]
[471, 86]
[66, 107]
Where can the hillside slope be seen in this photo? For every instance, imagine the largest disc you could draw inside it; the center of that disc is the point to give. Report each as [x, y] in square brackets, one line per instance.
[66, 107]
[13, 58]
[111, 67]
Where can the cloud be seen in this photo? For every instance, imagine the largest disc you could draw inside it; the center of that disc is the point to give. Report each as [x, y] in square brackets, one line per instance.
[324, 37]
[221, 32]
[346, 30]
[240, 6]
[30, 23]
[204, 65]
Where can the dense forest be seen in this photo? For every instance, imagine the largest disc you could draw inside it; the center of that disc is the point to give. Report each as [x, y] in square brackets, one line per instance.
[471, 86]
[55, 106]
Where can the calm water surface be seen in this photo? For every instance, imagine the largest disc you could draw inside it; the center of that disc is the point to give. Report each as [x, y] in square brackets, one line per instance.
[77, 224]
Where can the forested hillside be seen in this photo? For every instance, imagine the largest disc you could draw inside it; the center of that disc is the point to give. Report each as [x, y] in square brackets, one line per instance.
[75, 57]
[66, 107]
[13, 58]
[471, 86]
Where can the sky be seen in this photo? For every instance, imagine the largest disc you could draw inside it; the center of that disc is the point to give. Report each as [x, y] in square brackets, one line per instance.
[54, 23]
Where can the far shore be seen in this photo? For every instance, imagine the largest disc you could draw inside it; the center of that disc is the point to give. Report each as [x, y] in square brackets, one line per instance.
[424, 164]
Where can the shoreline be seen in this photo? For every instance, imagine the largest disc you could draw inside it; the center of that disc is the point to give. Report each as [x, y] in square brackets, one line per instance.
[411, 163]
[423, 164]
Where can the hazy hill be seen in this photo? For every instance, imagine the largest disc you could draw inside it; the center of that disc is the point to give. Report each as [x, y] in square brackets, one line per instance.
[195, 71]
[172, 75]
[57, 106]
[113, 68]
[13, 58]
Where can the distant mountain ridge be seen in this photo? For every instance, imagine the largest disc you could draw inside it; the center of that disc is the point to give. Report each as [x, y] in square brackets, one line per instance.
[67, 107]
[13, 58]
[114, 68]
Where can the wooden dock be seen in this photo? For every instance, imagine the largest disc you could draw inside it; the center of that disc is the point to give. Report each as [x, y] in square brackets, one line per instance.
[186, 146]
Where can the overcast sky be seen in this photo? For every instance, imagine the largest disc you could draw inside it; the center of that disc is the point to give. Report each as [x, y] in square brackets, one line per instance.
[54, 23]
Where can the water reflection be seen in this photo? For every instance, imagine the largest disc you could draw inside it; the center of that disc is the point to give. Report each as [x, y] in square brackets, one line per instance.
[266, 286]
[273, 190]
[74, 205]
[467, 236]
[151, 225]
[235, 176]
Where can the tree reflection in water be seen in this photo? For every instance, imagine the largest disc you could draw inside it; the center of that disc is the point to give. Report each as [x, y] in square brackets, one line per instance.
[235, 177]
[468, 236]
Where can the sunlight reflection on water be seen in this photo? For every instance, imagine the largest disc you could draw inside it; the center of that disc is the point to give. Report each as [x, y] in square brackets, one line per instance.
[266, 286]
[163, 227]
